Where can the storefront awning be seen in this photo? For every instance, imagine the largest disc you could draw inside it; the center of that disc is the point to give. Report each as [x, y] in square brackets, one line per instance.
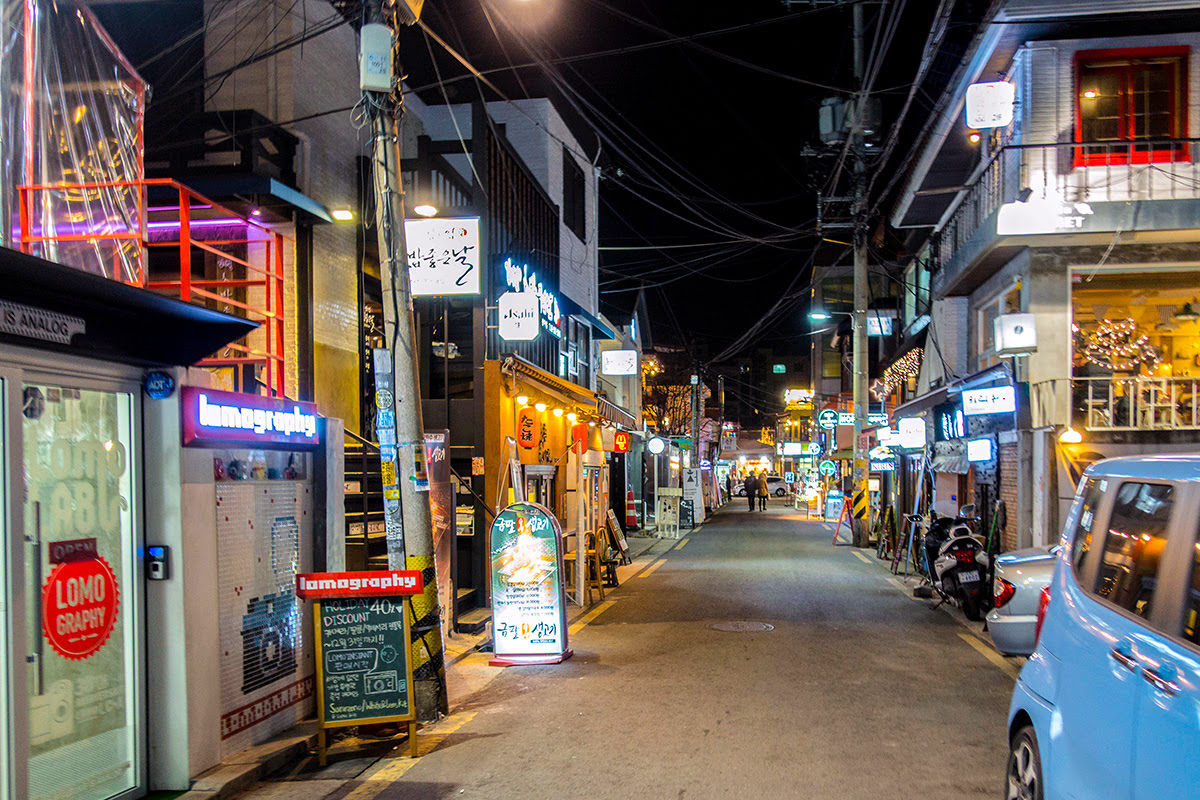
[552, 384]
[955, 465]
[612, 412]
[119, 323]
[845, 454]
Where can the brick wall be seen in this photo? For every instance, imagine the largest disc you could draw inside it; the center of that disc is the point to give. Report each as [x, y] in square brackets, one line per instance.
[1009, 475]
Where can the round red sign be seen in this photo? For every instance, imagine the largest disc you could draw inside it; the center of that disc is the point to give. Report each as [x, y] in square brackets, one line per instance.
[79, 607]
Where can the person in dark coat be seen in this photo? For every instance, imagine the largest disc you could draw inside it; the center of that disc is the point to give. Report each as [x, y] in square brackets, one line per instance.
[751, 487]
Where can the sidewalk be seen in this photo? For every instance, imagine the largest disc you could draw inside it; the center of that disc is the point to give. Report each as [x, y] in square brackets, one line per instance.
[360, 767]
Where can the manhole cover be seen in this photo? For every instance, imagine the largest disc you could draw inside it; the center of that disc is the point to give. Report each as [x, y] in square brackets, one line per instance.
[741, 626]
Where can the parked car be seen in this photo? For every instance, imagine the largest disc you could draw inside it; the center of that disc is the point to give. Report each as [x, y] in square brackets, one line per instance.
[1108, 705]
[775, 486]
[1017, 585]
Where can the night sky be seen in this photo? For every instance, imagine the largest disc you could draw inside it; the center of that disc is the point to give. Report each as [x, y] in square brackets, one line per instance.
[697, 148]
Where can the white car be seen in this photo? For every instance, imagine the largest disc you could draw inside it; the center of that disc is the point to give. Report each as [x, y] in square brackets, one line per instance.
[775, 486]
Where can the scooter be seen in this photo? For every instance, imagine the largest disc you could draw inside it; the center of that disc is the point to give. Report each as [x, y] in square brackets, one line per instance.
[955, 561]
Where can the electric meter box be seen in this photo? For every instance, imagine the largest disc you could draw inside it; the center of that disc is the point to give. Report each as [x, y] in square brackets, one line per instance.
[375, 58]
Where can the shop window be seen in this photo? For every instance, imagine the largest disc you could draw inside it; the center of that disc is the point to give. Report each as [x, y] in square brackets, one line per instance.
[1129, 103]
[574, 210]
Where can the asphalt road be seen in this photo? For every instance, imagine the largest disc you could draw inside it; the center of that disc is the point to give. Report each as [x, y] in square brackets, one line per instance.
[859, 691]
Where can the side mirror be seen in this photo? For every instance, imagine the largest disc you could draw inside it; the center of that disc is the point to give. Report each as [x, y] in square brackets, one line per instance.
[967, 511]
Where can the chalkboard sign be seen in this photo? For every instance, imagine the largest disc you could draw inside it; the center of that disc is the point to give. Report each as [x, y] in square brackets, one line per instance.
[362, 661]
[687, 514]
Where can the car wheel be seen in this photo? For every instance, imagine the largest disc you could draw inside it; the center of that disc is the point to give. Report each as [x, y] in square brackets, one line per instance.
[741, 492]
[780, 492]
[1024, 779]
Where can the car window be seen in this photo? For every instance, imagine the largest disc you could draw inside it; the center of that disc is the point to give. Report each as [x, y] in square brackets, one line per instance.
[1091, 492]
[1191, 616]
[1137, 534]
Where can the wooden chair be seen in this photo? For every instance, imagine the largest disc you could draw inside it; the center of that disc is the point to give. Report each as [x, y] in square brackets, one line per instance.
[593, 576]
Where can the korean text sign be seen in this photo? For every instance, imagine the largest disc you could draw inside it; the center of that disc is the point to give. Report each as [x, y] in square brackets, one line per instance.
[443, 256]
[528, 612]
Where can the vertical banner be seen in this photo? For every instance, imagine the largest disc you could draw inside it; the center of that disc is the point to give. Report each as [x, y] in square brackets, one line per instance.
[529, 617]
[441, 510]
[693, 490]
[385, 432]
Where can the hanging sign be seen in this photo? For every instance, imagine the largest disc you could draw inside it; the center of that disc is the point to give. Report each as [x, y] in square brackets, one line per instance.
[828, 419]
[443, 256]
[619, 362]
[518, 316]
[213, 418]
[827, 468]
[527, 428]
[997, 400]
[529, 618]
[621, 442]
[990, 105]
[520, 278]
[80, 600]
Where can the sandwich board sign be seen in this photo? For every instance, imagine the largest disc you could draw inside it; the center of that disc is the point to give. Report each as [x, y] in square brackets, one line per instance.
[364, 672]
[529, 616]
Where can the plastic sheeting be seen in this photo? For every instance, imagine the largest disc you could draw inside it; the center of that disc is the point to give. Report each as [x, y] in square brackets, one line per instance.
[71, 114]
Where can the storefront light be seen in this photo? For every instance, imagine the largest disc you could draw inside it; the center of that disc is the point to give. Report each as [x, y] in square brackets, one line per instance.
[558, 412]
[523, 399]
[1070, 436]
[540, 407]
[572, 416]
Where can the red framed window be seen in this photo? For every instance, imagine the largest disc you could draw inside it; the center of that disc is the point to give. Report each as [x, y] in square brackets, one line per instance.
[1131, 106]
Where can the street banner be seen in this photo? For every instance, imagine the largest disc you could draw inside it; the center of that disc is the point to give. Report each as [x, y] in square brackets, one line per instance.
[693, 490]
[529, 617]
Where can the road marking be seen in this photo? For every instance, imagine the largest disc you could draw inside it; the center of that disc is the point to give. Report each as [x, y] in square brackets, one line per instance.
[679, 546]
[991, 655]
[580, 623]
[863, 558]
[388, 771]
[651, 568]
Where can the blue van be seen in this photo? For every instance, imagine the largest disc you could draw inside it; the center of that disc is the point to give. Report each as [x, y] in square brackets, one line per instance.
[1108, 705]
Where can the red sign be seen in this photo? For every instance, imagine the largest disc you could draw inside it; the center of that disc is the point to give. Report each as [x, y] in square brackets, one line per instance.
[375, 583]
[73, 550]
[79, 607]
[526, 428]
[579, 437]
[213, 418]
[621, 442]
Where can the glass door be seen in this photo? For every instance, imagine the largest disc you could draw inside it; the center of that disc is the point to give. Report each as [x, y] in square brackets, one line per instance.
[82, 537]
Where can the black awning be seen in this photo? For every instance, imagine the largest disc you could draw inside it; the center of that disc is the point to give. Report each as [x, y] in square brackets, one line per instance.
[122, 323]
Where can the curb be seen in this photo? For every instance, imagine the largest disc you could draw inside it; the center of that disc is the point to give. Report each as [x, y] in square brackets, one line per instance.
[244, 769]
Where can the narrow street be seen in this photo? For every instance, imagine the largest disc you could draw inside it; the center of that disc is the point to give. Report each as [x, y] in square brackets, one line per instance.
[858, 692]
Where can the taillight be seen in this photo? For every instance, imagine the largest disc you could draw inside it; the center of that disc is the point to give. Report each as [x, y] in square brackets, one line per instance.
[1003, 591]
[1043, 603]
[964, 556]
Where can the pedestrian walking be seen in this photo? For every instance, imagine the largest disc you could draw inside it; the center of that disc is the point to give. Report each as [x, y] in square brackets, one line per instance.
[762, 491]
[750, 485]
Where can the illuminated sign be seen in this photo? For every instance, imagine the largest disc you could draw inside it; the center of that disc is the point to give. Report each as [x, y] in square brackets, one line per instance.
[912, 432]
[621, 442]
[619, 362]
[888, 436]
[1041, 215]
[443, 256]
[883, 466]
[828, 419]
[518, 316]
[520, 278]
[801, 449]
[846, 418]
[878, 325]
[779, 369]
[1015, 334]
[979, 450]
[527, 428]
[656, 445]
[881, 453]
[213, 418]
[376, 583]
[997, 400]
[990, 105]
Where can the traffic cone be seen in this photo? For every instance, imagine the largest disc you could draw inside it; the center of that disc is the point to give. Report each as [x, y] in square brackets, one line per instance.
[630, 512]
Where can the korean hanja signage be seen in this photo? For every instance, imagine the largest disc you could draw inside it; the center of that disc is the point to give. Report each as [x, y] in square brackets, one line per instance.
[529, 619]
[213, 418]
[443, 256]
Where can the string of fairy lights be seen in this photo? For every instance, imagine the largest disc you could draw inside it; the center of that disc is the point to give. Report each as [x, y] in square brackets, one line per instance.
[1117, 345]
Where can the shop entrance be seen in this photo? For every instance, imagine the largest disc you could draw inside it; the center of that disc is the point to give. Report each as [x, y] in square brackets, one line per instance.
[79, 620]
[539, 485]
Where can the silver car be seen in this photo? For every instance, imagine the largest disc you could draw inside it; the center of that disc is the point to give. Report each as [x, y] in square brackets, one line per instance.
[1020, 577]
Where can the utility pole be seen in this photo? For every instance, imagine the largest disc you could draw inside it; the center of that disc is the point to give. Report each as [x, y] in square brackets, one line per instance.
[384, 108]
[859, 211]
[695, 459]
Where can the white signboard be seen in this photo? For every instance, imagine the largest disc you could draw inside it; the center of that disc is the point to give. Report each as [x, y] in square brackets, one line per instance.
[911, 431]
[518, 314]
[879, 325]
[997, 400]
[693, 490]
[846, 418]
[1015, 334]
[979, 450]
[619, 362]
[990, 105]
[443, 256]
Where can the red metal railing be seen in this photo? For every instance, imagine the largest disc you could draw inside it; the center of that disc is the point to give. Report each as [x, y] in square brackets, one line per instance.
[257, 295]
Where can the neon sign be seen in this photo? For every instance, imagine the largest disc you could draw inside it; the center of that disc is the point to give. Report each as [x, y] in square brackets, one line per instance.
[213, 418]
[520, 278]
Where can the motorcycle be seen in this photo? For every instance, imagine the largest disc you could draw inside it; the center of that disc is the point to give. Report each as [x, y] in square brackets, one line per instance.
[955, 561]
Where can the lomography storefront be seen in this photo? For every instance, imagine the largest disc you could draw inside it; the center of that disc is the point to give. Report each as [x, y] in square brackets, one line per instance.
[152, 533]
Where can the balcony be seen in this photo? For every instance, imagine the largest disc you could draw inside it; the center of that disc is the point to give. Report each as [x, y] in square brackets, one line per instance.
[1026, 191]
[1139, 403]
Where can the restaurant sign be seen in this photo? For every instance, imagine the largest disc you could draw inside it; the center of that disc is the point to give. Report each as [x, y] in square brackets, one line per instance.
[529, 618]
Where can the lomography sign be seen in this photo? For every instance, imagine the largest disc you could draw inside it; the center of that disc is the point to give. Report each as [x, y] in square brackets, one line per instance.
[213, 418]
[529, 618]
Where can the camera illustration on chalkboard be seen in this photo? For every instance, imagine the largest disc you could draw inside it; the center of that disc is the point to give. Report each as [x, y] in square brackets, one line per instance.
[268, 640]
[380, 682]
